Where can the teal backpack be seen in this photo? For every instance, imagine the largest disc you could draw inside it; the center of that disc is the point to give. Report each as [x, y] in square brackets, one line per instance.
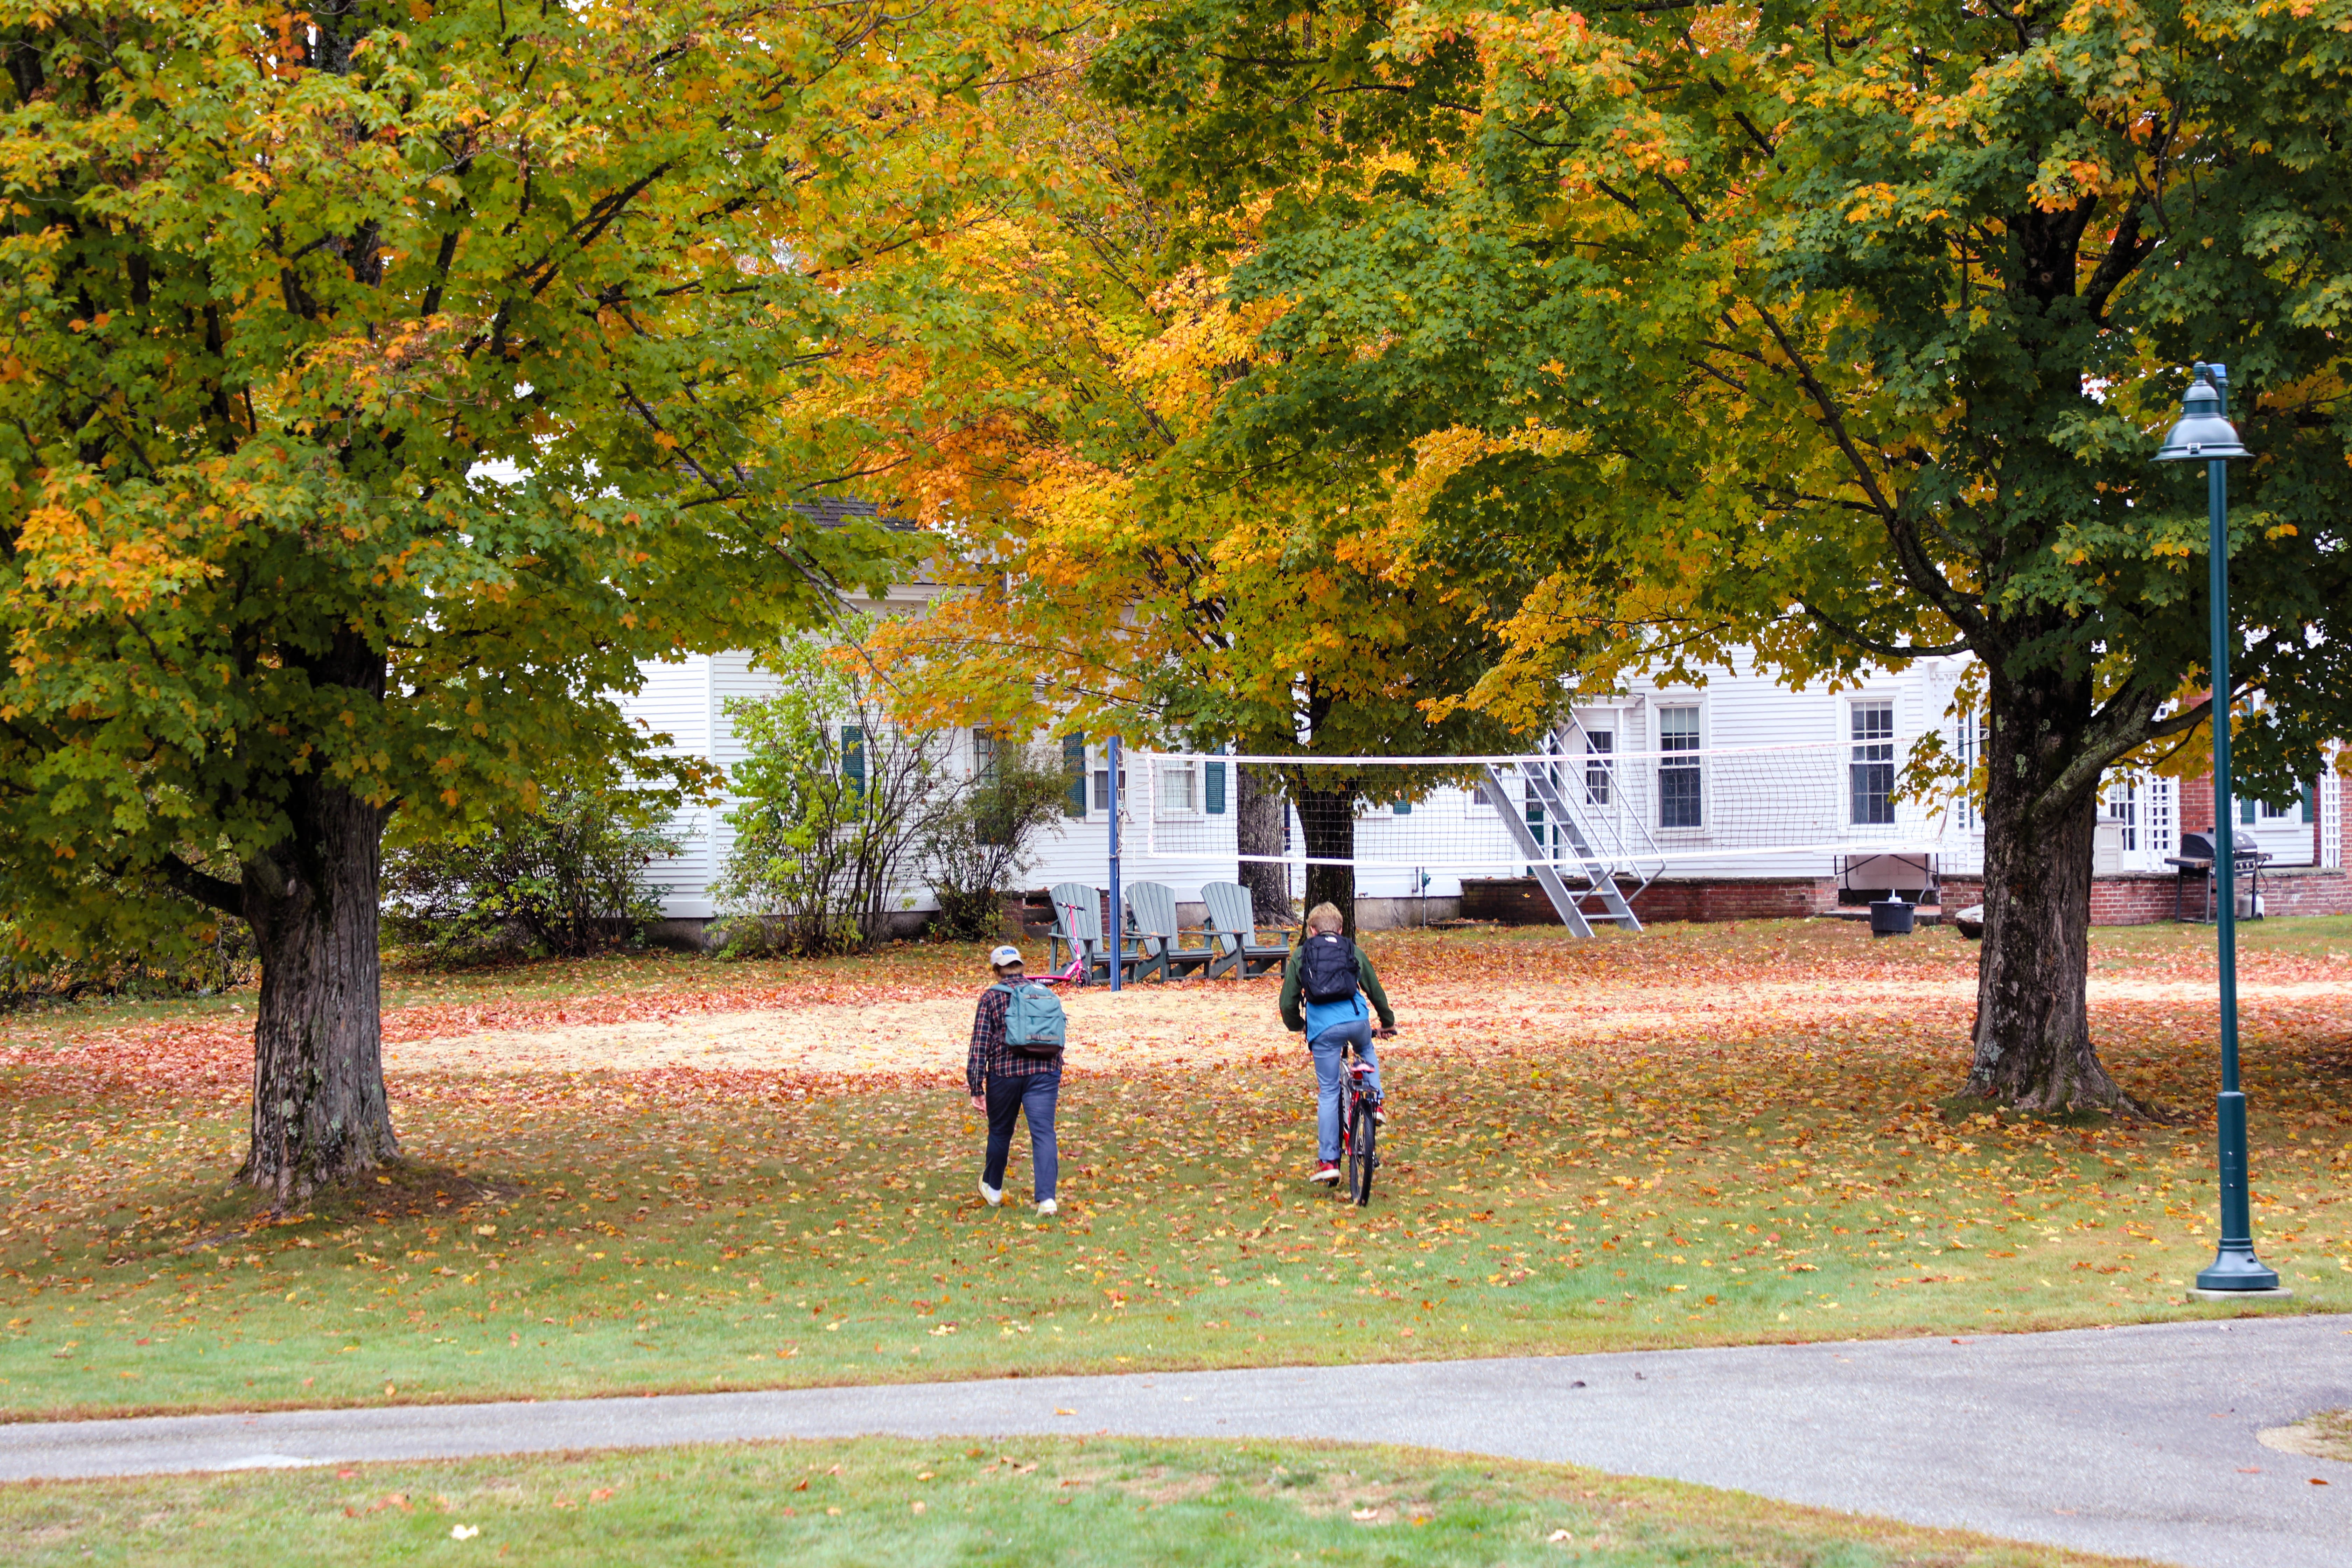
[1033, 1019]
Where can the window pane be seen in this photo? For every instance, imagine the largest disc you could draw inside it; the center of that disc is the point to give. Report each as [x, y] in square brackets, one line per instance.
[1599, 747]
[1102, 789]
[1176, 789]
[2123, 807]
[1872, 771]
[1679, 791]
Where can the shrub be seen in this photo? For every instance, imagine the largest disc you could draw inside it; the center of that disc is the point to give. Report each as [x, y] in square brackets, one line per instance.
[979, 847]
[835, 801]
[567, 879]
[213, 954]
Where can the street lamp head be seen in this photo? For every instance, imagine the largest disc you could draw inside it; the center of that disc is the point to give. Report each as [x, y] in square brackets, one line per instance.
[2202, 433]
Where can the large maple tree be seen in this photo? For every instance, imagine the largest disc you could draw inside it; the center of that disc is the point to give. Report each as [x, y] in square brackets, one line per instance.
[379, 383]
[1844, 330]
[1046, 393]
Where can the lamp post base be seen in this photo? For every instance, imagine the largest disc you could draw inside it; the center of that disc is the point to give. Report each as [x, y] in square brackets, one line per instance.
[2275, 1293]
[2235, 1270]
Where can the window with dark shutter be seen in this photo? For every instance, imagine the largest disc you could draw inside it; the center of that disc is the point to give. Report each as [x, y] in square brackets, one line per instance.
[853, 757]
[1074, 769]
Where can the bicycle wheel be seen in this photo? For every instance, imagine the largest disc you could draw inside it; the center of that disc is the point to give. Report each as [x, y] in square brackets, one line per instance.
[1361, 1135]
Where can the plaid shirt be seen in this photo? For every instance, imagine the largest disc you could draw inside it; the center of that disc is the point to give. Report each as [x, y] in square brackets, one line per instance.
[990, 1060]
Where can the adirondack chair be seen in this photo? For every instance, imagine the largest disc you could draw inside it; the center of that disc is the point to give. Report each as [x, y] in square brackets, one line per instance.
[1232, 932]
[1077, 928]
[1152, 921]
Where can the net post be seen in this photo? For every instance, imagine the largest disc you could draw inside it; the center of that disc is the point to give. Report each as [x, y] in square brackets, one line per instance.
[1114, 920]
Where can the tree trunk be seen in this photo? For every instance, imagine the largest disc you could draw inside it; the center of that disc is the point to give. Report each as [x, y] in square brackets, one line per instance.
[2033, 1048]
[1326, 818]
[320, 1115]
[319, 1109]
[1261, 818]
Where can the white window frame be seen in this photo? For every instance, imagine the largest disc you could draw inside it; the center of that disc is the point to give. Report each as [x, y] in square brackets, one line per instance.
[1605, 761]
[1162, 772]
[1659, 704]
[2291, 814]
[1892, 703]
[1098, 780]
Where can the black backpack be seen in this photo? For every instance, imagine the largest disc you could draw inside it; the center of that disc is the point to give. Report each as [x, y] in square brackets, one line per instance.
[1329, 973]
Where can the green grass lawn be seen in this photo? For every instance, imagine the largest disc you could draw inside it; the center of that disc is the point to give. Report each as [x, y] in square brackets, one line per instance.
[1753, 1174]
[1041, 1501]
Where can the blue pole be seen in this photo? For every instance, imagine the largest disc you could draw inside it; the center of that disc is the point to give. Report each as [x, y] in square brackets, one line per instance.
[1117, 919]
[2234, 1264]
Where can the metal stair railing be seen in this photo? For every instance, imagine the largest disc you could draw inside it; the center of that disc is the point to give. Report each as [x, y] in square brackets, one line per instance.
[1600, 869]
[1538, 856]
[1623, 830]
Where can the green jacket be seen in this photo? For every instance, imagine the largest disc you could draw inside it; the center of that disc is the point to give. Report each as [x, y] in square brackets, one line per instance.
[1294, 1019]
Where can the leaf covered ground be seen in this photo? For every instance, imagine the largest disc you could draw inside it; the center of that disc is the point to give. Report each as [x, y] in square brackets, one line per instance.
[1100, 1501]
[1718, 1173]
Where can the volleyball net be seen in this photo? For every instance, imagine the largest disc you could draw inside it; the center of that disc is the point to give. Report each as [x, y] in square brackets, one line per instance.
[1801, 809]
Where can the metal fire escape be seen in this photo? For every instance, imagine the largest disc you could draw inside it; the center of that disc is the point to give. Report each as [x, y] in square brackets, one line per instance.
[1590, 832]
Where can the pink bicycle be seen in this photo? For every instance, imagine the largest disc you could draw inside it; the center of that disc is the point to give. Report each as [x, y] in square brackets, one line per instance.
[1075, 974]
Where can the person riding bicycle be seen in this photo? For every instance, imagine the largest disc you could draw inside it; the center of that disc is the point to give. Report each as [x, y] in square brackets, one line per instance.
[1333, 978]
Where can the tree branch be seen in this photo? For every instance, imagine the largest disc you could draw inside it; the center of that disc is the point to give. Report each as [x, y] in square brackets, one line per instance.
[1883, 649]
[229, 898]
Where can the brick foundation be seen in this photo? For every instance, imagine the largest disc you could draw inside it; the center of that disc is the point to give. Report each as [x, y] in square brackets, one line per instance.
[1520, 900]
[2146, 898]
[1746, 898]
[2142, 898]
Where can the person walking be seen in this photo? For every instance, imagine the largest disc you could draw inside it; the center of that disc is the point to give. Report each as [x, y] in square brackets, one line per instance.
[1014, 1069]
[1324, 989]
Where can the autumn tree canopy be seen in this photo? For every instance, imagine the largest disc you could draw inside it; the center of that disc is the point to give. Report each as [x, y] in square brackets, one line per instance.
[1845, 331]
[378, 385]
[1043, 392]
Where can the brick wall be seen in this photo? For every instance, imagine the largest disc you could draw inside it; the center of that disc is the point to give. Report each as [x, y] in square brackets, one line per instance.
[2306, 890]
[1520, 900]
[2197, 805]
[2143, 898]
[1746, 898]
[2147, 899]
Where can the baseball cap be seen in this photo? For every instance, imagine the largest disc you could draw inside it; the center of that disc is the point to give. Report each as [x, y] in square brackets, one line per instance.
[1002, 956]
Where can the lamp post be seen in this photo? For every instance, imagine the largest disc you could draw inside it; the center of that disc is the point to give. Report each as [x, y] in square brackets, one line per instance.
[2204, 434]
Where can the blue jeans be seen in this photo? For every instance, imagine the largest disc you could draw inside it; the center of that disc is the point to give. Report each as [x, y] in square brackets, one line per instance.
[1032, 1097]
[1329, 1070]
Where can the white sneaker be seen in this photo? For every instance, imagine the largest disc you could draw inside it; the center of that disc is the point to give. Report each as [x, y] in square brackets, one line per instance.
[1049, 1206]
[995, 1196]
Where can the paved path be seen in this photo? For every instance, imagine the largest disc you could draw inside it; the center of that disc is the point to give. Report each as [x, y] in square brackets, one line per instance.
[2139, 1441]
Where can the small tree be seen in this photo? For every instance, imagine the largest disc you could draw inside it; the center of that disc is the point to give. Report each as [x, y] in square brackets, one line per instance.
[836, 800]
[568, 878]
[979, 847]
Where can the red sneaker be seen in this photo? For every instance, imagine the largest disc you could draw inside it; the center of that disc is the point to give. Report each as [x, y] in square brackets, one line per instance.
[1325, 1170]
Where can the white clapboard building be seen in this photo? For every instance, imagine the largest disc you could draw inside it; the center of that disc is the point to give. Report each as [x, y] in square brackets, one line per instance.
[1703, 796]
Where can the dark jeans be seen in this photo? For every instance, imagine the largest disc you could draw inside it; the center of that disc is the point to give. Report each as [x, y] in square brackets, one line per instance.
[1033, 1097]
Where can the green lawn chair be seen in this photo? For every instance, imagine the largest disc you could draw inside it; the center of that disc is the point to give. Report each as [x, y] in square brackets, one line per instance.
[1152, 921]
[1232, 932]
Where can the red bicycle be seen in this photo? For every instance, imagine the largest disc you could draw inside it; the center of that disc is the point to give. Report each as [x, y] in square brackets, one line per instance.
[1359, 1129]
